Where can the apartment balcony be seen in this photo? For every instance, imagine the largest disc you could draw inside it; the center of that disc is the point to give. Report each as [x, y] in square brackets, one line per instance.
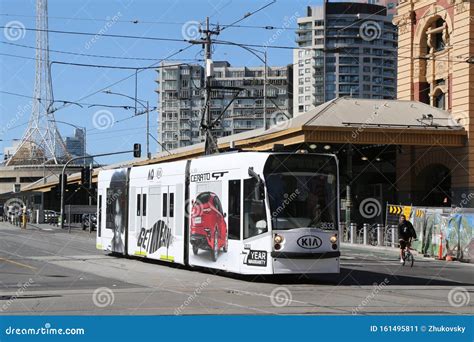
[303, 39]
[245, 127]
[303, 30]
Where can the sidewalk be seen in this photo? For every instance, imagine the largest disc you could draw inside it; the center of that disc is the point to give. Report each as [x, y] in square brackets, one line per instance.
[47, 227]
[379, 248]
[395, 251]
[391, 250]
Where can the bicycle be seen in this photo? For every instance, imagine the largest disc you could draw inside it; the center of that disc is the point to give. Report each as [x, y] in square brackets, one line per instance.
[408, 256]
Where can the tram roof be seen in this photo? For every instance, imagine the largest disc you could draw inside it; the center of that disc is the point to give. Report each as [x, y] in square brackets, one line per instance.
[342, 120]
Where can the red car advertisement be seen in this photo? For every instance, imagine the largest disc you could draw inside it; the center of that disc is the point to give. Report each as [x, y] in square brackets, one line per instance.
[208, 226]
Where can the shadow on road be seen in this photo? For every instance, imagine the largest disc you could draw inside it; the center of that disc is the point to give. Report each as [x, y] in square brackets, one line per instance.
[347, 277]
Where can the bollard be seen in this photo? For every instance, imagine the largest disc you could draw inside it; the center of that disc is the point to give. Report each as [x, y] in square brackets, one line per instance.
[394, 236]
[379, 234]
[353, 232]
[341, 231]
[366, 233]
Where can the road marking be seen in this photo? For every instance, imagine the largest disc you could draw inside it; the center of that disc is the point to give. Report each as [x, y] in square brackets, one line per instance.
[18, 263]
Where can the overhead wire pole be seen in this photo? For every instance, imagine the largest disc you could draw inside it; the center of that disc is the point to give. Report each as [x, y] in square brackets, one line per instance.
[265, 92]
[210, 144]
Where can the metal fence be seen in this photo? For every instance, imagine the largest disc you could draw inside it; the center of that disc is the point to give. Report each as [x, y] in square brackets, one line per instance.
[370, 234]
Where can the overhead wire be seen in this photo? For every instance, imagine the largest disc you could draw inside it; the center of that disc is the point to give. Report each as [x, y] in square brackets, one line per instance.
[92, 55]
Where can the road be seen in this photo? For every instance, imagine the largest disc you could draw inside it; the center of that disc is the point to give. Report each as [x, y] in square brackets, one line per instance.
[50, 272]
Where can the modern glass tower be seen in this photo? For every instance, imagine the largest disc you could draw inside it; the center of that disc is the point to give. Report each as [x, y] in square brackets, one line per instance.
[347, 49]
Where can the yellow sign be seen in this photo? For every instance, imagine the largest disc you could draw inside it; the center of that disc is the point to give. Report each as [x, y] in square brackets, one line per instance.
[407, 211]
[395, 209]
[400, 209]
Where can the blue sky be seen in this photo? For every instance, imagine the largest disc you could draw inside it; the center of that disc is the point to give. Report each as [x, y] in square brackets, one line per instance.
[73, 83]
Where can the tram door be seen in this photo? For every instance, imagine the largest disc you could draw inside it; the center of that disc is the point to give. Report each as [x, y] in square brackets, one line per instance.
[168, 216]
[141, 218]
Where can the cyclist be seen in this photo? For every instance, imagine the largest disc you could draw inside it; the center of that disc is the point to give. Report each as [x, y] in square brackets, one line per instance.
[406, 233]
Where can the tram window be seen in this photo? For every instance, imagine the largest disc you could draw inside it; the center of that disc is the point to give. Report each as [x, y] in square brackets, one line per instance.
[144, 205]
[110, 207]
[234, 209]
[254, 209]
[138, 204]
[171, 204]
[165, 205]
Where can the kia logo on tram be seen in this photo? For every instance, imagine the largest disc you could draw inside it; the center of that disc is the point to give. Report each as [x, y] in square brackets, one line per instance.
[309, 242]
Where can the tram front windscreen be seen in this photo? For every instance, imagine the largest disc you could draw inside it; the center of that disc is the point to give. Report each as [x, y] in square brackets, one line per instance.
[302, 191]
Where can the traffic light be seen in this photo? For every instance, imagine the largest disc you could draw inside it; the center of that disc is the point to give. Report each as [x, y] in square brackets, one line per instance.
[137, 150]
[86, 176]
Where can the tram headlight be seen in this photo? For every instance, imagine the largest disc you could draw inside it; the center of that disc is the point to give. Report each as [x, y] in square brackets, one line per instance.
[278, 239]
[333, 239]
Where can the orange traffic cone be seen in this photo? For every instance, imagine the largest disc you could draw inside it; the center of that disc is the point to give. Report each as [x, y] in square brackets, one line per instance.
[440, 250]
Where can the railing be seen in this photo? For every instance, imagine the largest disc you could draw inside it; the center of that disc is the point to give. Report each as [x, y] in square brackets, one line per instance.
[369, 234]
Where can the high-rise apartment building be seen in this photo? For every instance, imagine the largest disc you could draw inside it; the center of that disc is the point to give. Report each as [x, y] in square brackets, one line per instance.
[181, 100]
[346, 49]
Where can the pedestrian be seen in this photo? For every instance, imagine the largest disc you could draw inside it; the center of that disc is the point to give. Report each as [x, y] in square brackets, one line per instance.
[406, 233]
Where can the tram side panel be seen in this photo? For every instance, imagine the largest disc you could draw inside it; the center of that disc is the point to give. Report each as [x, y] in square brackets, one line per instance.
[217, 214]
[112, 210]
[157, 212]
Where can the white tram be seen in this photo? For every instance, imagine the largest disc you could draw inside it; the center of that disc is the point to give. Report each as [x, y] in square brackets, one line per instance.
[242, 212]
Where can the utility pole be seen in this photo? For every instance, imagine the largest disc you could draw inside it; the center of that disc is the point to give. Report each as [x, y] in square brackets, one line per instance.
[210, 144]
[265, 92]
[148, 154]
